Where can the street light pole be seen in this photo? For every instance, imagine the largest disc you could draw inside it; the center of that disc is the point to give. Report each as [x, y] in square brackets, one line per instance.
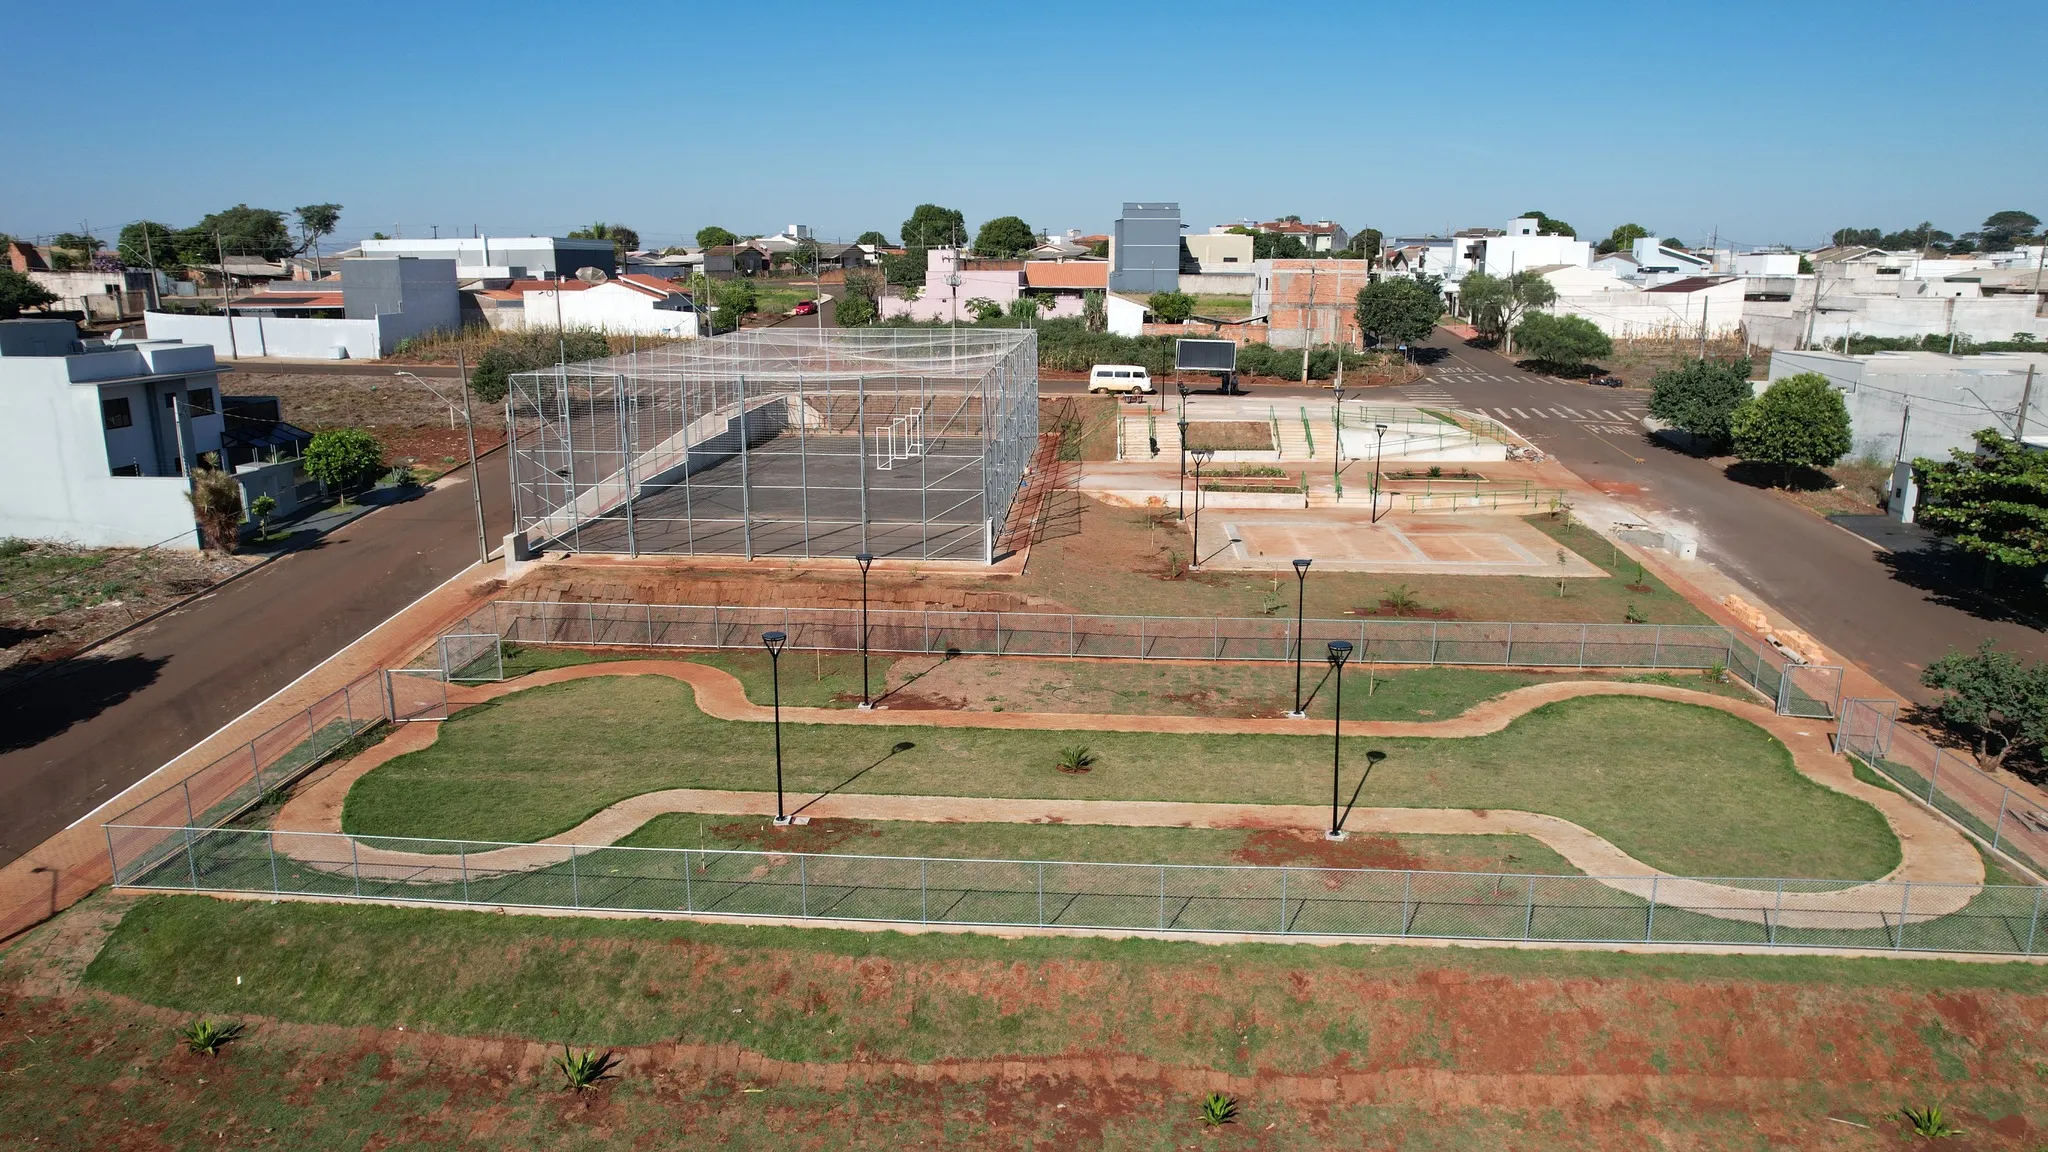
[1300, 596]
[1183, 465]
[1379, 440]
[1195, 549]
[773, 641]
[864, 559]
[1340, 651]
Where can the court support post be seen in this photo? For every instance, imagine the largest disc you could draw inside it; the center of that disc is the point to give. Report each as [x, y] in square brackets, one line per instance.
[746, 501]
[860, 440]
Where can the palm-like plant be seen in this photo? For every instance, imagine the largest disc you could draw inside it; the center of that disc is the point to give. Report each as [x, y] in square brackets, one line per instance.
[1929, 1123]
[1076, 758]
[209, 1036]
[582, 1070]
[1218, 1110]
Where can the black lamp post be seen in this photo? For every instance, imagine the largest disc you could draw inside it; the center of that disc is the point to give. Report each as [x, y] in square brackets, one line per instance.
[864, 559]
[1183, 400]
[1340, 651]
[1300, 595]
[1195, 559]
[1183, 465]
[1379, 440]
[773, 641]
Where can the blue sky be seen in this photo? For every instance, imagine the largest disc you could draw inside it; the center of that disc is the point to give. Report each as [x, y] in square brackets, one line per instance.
[1773, 122]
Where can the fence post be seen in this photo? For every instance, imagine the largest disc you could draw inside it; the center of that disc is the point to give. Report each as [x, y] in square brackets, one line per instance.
[390, 699]
[1998, 829]
[1432, 642]
[924, 868]
[1508, 657]
[1529, 916]
[270, 843]
[575, 886]
[1216, 637]
[926, 615]
[590, 617]
[1582, 646]
[1650, 921]
[191, 864]
[1933, 774]
[1407, 893]
[2034, 921]
[1283, 899]
[650, 625]
[464, 852]
[1905, 901]
[190, 823]
[113, 861]
[1041, 893]
[999, 633]
[803, 886]
[256, 766]
[1141, 637]
[355, 865]
[1071, 649]
[689, 897]
[1777, 913]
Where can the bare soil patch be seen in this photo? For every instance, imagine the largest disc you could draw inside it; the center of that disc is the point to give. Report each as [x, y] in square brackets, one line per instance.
[406, 418]
[56, 599]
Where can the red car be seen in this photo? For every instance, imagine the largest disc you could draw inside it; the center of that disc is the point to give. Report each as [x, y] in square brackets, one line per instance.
[805, 308]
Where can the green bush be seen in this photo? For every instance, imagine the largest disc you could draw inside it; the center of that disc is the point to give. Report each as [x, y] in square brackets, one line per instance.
[344, 458]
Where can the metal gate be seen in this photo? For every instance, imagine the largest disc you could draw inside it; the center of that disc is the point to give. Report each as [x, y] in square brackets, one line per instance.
[1866, 727]
[470, 656]
[1813, 690]
[415, 694]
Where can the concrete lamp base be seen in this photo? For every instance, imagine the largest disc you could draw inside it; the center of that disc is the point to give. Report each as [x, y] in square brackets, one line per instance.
[1337, 835]
[863, 707]
[1297, 715]
[781, 821]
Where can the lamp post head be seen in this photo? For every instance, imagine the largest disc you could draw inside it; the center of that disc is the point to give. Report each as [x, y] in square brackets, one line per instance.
[1201, 454]
[1380, 428]
[1184, 390]
[1374, 757]
[1340, 651]
[773, 641]
[1301, 565]
[1183, 433]
[864, 559]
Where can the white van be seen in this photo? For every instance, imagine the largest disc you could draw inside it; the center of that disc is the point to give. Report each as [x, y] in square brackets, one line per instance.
[1107, 378]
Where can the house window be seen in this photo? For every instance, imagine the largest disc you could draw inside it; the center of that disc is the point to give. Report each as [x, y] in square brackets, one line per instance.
[1230, 259]
[201, 400]
[128, 470]
[114, 413]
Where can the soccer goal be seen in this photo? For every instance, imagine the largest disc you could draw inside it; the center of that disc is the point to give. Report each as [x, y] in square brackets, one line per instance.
[900, 439]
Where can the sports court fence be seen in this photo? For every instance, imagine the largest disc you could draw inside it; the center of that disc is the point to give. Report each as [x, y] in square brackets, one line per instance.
[1950, 782]
[1233, 899]
[797, 442]
[1800, 690]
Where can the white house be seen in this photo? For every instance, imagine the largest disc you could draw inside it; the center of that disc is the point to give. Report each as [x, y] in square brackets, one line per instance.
[1125, 316]
[384, 301]
[1657, 261]
[630, 304]
[95, 438]
[1520, 247]
[1678, 308]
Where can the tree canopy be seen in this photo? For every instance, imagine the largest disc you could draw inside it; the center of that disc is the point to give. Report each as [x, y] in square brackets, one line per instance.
[1700, 396]
[1992, 699]
[623, 239]
[1398, 309]
[1798, 422]
[1365, 243]
[18, 292]
[1546, 226]
[1495, 303]
[1623, 238]
[931, 226]
[315, 222]
[259, 233]
[873, 237]
[1004, 237]
[1992, 501]
[712, 236]
[1561, 341]
[2003, 230]
[148, 244]
[344, 458]
[1171, 307]
[859, 300]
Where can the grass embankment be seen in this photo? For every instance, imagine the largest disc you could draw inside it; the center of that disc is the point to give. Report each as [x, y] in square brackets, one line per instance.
[1688, 789]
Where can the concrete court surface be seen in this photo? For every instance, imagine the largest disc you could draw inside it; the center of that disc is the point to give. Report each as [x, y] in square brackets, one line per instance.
[1447, 545]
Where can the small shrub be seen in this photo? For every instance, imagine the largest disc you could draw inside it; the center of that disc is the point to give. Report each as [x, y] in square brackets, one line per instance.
[1716, 672]
[208, 1037]
[1076, 759]
[1633, 615]
[1218, 1110]
[1399, 598]
[583, 1070]
[405, 478]
[263, 508]
[1928, 1123]
[1436, 472]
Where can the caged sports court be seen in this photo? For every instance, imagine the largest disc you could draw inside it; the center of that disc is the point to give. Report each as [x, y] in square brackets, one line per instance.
[900, 443]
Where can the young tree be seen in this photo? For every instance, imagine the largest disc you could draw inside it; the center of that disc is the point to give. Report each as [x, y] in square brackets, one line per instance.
[734, 298]
[262, 509]
[1991, 699]
[1495, 303]
[1992, 502]
[1856, 237]
[1094, 312]
[148, 244]
[1798, 422]
[1561, 342]
[873, 237]
[344, 458]
[316, 221]
[18, 292]
[984, 309]
[1004, 237]
[805, 255]
[860, 301]
[931, 226]
[1170, 307]
[1699, 397]
[1397, 309]
[216, 500]
[623, 239]
[492, 377]
[712, 236]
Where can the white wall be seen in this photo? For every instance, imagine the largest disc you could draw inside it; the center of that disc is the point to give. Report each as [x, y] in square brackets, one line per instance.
[613, 308]
[1937, 402]
[1629, 314]
[55, 482]
[1504, 255]
[1126, 317]
[1783, 324]
[257, 336]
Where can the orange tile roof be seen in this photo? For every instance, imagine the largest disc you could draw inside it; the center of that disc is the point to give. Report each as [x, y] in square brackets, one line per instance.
[1066, 274]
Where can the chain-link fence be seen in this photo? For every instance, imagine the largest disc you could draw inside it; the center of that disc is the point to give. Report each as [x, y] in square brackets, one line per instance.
[2007, 820]
[1232, 899]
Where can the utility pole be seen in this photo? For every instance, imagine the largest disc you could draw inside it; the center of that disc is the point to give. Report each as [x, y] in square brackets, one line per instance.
[1703, 327]
[1308, 319]
[1813, 309]
[476, 480]
[227, 295]
[2019, 431]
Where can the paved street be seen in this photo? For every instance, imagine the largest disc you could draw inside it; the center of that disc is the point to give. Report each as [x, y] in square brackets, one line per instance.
[80, 734]
[1828, 581]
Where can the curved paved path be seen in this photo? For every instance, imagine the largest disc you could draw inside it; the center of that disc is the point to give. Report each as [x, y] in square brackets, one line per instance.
[1931, 852]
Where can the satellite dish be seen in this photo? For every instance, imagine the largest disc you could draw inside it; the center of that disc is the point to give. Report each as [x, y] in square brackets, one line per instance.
[592, 275]
[116, 337]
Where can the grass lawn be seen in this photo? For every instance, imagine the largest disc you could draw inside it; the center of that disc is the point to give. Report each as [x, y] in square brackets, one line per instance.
[1102, 842]
[1687, 789]
[1115, 561]
[1223, 307]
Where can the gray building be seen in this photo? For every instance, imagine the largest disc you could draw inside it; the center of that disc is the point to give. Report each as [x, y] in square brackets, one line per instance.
[422, 292]
[506, 257]
[1145, 252]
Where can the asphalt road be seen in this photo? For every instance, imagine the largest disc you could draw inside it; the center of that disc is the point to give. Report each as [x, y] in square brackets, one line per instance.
[77, 735]
[1891, 612]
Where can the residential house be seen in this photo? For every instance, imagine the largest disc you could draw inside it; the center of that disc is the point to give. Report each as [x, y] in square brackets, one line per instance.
[1657, 261]
[1309, 301]
[629, 304]
[385, 300]
[952, 281]
[1864, 291]
[505, 257]
[1321, 236]
[105, 292]
[1223, 264]
[741, 259]
[1620, 264]
[96, 438]
[1063, 285]
[1516, 248]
